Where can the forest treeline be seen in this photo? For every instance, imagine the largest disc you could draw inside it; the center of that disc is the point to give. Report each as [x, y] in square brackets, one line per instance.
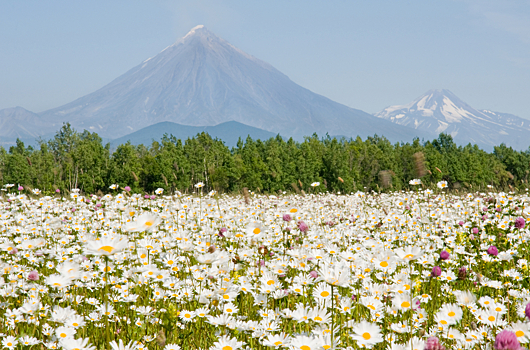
[80, 160]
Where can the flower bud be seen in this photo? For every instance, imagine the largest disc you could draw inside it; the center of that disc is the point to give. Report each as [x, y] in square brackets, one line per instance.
[462, 273]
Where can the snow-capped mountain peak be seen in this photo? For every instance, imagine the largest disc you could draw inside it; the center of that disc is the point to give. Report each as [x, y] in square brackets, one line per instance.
[439, 111]
[195, 29]
[441, 105]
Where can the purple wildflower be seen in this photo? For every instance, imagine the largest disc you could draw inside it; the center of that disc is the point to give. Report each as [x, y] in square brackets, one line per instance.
[33, 276]
[436, 271]
[492, 250]
[527, 311]
[506, 340]
[302, 226]
[444, 255]
[287, 217]
[519, 223]
[433, 343]
[314, 274]
[474, 230]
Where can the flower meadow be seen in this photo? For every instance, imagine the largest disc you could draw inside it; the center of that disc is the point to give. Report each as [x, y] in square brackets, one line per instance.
[418, 270]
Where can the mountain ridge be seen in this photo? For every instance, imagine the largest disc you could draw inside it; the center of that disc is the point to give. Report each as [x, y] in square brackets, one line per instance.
[228, 132]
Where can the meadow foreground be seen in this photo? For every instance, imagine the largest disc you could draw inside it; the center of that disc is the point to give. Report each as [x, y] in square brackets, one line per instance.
[407, 270]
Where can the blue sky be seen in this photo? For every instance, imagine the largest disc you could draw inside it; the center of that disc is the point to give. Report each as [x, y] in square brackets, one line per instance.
[366, 54]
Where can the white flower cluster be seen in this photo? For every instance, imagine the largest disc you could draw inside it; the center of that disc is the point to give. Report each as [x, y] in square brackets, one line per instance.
[319, 271]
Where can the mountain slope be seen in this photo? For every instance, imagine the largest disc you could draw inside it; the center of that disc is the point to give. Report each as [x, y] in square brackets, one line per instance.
[20, 123]
[439, 111]
[202, 80]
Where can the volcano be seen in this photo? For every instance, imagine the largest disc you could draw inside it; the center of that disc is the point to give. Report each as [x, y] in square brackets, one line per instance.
[202, 80]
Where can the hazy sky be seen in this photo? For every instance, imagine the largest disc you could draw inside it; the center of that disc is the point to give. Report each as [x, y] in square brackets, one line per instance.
[366, 54]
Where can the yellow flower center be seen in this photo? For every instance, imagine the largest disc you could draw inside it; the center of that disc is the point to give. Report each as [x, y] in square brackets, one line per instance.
[491, 318]
[256, 231]
[107, 248]
[324, 294]
[519, 334]
[383, 264]
[405, 304]
[451, 313]
[366, 336]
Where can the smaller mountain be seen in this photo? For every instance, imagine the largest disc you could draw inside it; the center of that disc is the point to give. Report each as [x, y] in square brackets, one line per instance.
[20, 123]
[439, 111]
[507, 119]
[229, 132]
